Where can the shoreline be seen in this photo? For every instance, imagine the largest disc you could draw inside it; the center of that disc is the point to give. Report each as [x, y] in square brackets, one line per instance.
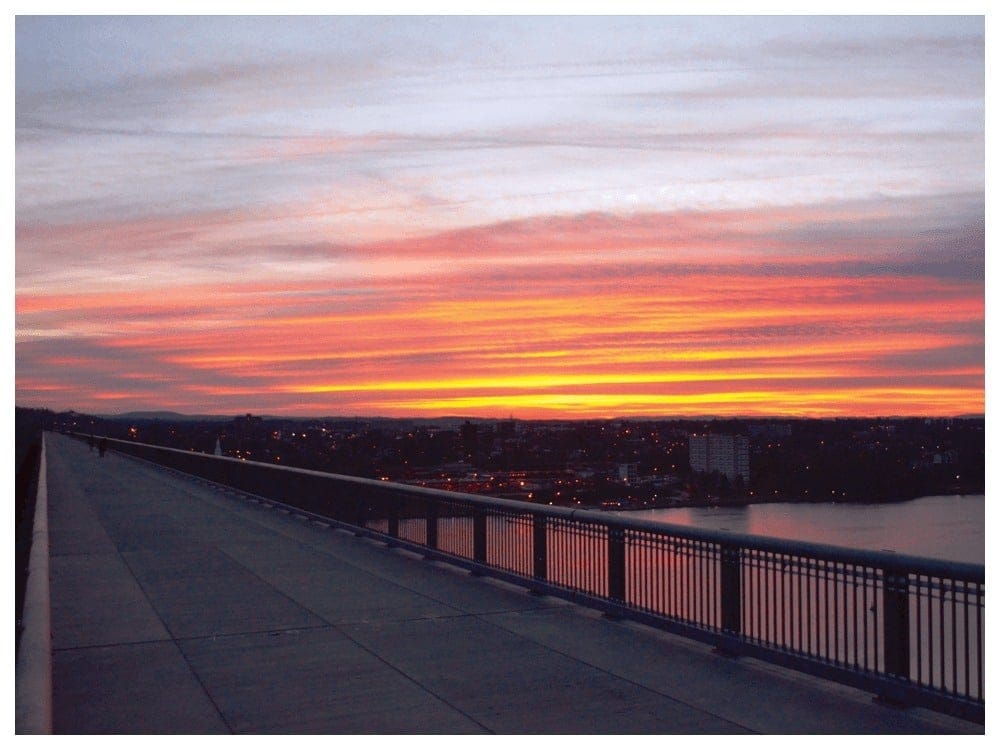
[742, 502]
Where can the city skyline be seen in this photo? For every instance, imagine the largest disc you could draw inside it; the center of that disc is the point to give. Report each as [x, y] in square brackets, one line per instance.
[543, 217]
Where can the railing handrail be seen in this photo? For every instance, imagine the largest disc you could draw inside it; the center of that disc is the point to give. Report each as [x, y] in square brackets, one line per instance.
[882, 559]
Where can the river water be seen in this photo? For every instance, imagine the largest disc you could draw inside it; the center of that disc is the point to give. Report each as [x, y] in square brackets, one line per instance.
[949, 527]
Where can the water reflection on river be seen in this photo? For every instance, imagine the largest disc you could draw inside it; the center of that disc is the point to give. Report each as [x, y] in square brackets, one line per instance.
[945, 527]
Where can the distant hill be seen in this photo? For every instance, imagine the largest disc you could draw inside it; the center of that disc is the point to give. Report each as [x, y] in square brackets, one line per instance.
[166, 416]
[173, 416]
[452, 420]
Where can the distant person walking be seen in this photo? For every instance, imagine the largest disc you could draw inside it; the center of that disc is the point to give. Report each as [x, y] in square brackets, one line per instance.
[103, 446]
[90, 443]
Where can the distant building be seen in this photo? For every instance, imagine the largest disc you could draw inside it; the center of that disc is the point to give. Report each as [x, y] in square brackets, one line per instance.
[698, 453]
[248, 429]
[628, 473]
[770, 430]
[729, 455]
[470, 436]
[506, 428]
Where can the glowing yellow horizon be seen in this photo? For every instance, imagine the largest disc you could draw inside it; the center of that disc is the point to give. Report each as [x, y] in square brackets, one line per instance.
[798, 340]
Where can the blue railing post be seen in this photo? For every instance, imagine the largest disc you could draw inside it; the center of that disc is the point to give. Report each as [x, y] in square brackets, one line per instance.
[540, 546]
[360, 516]
[479, 535]
[730, 589]
[616, 564]
[432, 524]
[896, 622]
[392, 518]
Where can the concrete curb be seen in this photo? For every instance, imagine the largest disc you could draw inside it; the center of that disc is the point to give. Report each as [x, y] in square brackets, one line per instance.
[34, 659]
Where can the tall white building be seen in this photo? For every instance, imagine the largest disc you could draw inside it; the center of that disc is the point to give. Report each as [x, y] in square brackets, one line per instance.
[727, 454]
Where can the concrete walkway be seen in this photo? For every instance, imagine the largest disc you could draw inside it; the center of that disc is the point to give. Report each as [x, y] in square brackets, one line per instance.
[180, 608]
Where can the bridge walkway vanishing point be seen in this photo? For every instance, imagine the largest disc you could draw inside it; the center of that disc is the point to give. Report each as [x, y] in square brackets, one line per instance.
[179, 607]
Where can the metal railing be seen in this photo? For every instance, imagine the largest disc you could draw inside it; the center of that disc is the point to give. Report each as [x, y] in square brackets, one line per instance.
[909, 629]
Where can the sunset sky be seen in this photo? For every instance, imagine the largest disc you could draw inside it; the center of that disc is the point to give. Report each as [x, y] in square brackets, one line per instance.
[543, 217]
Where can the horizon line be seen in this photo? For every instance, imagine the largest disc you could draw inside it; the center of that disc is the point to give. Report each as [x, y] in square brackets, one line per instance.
[617, 418]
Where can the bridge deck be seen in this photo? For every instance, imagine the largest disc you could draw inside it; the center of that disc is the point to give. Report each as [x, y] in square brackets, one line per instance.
[180, 608]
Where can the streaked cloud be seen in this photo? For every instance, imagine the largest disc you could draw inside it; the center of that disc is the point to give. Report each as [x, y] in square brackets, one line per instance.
[542, 216]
